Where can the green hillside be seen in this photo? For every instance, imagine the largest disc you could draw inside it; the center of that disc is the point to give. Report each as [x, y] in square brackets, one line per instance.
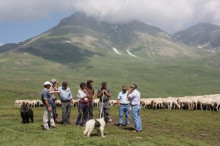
[81, 48]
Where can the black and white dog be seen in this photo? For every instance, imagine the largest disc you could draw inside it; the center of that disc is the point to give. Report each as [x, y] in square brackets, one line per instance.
[99, 124]
[26, 113]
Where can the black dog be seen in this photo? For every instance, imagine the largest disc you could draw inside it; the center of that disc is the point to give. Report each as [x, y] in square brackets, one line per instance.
[26, 113]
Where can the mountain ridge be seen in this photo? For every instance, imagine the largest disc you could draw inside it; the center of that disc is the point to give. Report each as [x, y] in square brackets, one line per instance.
[202, 35]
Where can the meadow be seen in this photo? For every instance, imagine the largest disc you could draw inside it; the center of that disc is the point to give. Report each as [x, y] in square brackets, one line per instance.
[160, 127]
[22, 76]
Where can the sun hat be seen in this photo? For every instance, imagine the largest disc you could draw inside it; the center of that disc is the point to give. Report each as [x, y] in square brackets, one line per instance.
[47, 83]
[53, 81]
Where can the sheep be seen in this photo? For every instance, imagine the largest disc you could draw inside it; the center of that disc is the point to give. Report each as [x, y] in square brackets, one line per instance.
[58, 103]
[157, 103]
[113, 102]
[185, 102]
[96, 102]
[205, 102]
[146, 102]
[171, 103]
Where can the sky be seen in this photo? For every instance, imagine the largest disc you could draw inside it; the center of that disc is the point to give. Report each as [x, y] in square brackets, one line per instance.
[24, 19]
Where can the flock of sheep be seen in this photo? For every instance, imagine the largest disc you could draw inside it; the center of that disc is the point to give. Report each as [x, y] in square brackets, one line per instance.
[205, 102]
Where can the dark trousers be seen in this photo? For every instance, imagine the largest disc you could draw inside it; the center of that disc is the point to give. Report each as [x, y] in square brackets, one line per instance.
[105, 108]
[54, 110]
[82, 109]
[90, 109]
[66, 109]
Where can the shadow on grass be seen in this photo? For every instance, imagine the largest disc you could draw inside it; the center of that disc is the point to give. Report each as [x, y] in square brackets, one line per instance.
[124, 127]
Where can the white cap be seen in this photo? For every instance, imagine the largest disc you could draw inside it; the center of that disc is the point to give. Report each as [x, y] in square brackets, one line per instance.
[53, 81]
[47, 83]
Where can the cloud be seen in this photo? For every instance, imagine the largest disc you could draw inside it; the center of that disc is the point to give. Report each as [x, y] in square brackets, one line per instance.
[22, 10]
[169, 15]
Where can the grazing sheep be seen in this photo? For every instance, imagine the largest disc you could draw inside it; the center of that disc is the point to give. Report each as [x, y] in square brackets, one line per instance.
[146, 102]
[112, 102]
[96, 102]
[157, 103]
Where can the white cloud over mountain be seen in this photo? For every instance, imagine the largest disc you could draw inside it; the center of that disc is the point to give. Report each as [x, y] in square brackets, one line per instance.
[170, 15]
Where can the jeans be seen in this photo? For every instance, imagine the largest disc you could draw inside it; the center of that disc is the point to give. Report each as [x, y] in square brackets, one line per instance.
[82, 109]
[136, 109]
[124, 109]
[90, 109]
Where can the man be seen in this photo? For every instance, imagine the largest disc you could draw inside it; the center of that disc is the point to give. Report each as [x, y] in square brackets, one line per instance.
[83, 105]
[123, 104]
[104, 94]
[53, 91]
[134, 97]
[66, 102]
[91, 97]
[48, 120]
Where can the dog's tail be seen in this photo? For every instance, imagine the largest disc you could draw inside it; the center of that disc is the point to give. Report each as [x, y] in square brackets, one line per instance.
[86, 131]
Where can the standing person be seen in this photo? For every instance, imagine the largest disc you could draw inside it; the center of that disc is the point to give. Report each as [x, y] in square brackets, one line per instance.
[83, 105]
[48, 120]
[66, 102]
[134, 97]
[123, 104]
[53, 91]
[91, 96]
[104, 94]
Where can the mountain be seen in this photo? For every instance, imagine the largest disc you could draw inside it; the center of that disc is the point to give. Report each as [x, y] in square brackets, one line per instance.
[8, 47]
[203, 35]
[87, 36]
[81, 48]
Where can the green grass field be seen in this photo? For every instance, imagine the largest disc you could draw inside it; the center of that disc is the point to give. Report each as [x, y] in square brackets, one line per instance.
[160, 127]
[22, 76]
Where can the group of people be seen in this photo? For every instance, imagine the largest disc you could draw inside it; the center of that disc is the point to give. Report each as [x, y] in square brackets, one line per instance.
[86, 95]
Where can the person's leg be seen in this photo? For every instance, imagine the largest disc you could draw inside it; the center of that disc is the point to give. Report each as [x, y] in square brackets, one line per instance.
[54, 111]
[136, 117]
[127, 115]
[101, 109]
[63, 106]
[52, 123]
[85, 114]
[45, 119]
[68, 112]
[107, 110]
[120, 118]
[90, 109]
[139, 120]
[79, 114]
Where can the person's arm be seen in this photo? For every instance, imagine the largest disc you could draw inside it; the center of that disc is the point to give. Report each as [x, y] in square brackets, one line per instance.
[81, 94]
[47, 105]
[55, 91]
[118, 101]
[45, 95]
[108, 93]
[99, 94]
[59, 91]
[93, 96]
[129, 95]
